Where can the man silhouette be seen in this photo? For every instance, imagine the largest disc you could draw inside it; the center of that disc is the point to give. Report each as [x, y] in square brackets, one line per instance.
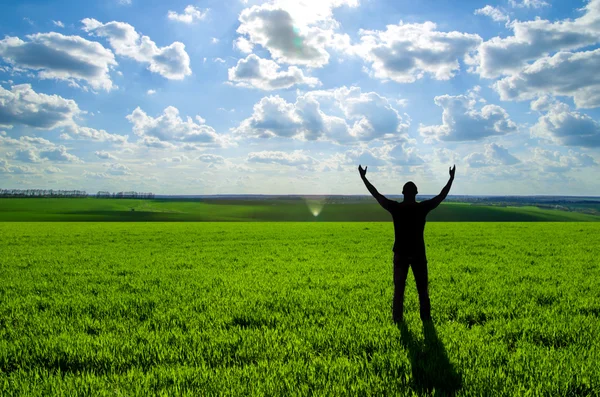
[409, 246]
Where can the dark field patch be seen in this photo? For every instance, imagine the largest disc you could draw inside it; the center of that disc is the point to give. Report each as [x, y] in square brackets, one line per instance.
[292, 209]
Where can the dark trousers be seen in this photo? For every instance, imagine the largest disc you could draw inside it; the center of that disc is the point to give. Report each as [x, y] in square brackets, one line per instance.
[419, 268]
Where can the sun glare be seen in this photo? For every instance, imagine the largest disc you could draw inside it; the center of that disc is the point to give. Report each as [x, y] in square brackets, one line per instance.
[315, 204]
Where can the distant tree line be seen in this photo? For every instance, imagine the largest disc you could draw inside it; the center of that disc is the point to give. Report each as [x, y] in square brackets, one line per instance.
[41, 193]
[71, 193]
[125, 195]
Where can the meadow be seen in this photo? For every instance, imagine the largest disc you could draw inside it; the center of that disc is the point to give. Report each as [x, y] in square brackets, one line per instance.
[282, 308]
[293, 209]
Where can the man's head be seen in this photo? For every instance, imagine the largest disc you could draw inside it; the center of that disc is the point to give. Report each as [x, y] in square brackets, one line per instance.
[410, 189]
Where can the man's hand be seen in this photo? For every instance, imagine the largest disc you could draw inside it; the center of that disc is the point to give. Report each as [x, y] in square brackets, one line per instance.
[362, 172]
[452, 171]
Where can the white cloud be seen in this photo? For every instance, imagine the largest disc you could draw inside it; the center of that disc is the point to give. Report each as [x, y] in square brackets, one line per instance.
[496, 14]
[543, 103]
[316, 116]
[395, 154]
[372, 157]
[22, 105]
[59, 24]
[461, 121]
[117, 169]
[59, 154]
[190, 147]
[93, 134]
[171, 62]
[273, 28]
[170, 127]
[272, 116]
[445, 156]
[150, 92]
[102, 154]
[190, 15]
[211, 158]
[567, 128]
[264, 74]
[295, 158]
[533, 39]
[565, 73]
[18, 169]
[7, 168]
[550, 161]
[24, 142]
[219, 60]
[407, 52]
[55, 56]
[494, 155]
[307, 12]
[374, 115]
[402, 155]
[177, 159]
[294, 32]
[95, 175]
[528, 3]
[153, 142]
[4, 166]
[214, 40]
[27, 155]
[243, 45]
[53, 170]
[34, 150]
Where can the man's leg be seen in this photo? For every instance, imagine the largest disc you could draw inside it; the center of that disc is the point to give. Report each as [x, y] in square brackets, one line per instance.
[419, 269]
[400, 273]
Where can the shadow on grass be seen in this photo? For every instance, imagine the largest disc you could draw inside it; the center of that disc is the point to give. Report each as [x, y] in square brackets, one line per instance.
[432, 371]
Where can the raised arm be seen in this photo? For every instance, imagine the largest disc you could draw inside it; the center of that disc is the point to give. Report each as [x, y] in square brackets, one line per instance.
[381, 199]
[434, 202]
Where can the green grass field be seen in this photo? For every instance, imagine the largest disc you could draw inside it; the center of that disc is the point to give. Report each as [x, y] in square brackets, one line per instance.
[295, 309]
[270, 210]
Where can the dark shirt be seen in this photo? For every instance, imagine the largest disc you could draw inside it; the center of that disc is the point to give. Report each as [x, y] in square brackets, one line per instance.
[409, 225]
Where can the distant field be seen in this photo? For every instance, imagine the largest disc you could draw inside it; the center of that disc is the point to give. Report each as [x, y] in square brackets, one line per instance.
[288, 210]
[285, 309]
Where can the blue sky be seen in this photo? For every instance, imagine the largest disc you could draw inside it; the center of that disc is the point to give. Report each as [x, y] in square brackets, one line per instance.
[288, 97]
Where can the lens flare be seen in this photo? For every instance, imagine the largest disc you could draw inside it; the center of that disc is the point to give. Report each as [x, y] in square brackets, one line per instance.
[315, 204]
[298, 41]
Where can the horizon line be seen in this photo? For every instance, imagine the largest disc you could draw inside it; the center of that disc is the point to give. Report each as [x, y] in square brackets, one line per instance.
[364, 195]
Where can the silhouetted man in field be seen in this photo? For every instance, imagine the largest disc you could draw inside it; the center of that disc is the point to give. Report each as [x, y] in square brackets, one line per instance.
[409, 247]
